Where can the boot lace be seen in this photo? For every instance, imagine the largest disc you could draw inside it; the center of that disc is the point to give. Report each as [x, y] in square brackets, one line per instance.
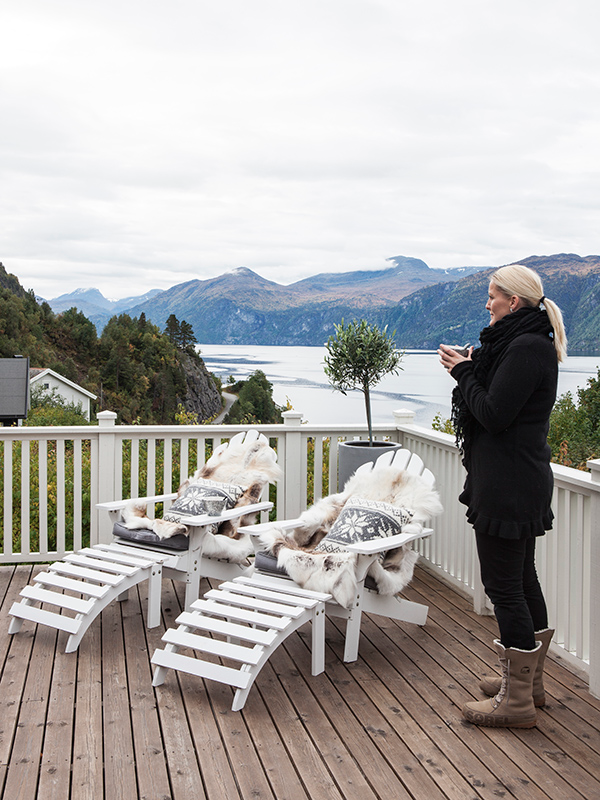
[504, 665]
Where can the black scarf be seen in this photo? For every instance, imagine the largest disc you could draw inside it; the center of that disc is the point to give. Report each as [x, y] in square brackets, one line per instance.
[494, 340]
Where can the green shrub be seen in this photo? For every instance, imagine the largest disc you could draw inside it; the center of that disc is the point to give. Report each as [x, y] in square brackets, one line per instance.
[574, 435]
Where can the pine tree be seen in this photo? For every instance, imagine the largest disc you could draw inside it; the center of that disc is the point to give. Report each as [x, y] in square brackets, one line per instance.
[173, 329]
[186, 335]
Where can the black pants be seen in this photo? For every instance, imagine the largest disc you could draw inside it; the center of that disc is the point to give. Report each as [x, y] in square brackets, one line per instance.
[510, 581]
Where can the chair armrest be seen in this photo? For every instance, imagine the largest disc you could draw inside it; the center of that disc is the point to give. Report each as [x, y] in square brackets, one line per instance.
[116, 505]
[262, 527]
[388, 543]
[229, 513]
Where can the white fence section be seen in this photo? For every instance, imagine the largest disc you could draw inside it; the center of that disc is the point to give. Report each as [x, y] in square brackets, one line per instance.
[52, 478]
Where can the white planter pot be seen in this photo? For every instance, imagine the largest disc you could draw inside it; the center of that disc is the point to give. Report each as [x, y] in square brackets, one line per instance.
[352, 454]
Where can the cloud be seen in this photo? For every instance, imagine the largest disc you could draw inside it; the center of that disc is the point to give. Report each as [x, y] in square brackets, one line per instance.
[145, 144]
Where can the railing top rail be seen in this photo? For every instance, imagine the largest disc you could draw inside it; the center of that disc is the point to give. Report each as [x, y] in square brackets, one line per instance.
[439, 437]
[570, 477]
[89, 431]
[50, 432]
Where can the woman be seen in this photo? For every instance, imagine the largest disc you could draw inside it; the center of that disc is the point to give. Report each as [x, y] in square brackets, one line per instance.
[501, 409]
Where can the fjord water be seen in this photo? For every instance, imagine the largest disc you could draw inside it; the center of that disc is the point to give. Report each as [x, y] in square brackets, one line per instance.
[297, 374]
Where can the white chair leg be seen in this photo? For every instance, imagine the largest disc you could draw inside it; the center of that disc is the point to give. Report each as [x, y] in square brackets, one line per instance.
[353, 634]
[192, 583]
[160, 673]
[318, 640]
[154, 594]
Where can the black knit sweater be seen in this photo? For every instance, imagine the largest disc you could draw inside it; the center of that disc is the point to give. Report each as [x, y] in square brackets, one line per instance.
[509, 482]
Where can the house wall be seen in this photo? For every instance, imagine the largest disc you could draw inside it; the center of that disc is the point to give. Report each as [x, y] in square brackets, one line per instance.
[68, 393]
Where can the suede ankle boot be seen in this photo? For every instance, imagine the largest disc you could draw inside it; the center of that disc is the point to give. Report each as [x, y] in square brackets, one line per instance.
[513, 706]
[492, 685]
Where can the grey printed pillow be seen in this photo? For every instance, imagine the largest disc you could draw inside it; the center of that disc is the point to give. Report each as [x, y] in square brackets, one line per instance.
[361, 520]
[211, 504]
[203, 497]
[202, 488]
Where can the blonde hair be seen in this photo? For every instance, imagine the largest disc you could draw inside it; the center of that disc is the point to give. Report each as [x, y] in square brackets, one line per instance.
[516, 279]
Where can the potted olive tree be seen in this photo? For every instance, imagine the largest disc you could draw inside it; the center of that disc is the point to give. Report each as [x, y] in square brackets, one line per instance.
[358, 356]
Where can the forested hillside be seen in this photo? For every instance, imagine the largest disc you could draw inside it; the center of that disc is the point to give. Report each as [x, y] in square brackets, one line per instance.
[133, 368]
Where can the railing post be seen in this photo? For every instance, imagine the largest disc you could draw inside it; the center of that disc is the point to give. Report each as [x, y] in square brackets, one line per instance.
[292, 475]
[105, 486]
[403, 416]
[594, 467]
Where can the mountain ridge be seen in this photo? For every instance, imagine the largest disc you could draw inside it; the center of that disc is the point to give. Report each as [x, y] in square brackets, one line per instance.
[455, 312]
[424, 305]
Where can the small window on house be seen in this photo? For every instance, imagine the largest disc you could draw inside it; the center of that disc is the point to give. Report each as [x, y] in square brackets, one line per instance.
[46, 386]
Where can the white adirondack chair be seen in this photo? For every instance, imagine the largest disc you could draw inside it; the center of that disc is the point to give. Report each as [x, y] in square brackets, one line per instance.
[261, 610]
[105, 572]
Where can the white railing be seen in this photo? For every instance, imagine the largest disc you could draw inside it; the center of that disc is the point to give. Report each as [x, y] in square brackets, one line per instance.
[52, 479]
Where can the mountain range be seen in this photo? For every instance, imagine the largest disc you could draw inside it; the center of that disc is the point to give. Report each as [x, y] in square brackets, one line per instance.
[423, 305]
[221, 309]
[95, 306]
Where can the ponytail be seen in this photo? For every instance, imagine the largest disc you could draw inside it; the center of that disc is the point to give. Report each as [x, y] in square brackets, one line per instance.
[556, 320]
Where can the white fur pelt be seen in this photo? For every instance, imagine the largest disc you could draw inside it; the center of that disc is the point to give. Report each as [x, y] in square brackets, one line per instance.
[335, 573]
[251, 466]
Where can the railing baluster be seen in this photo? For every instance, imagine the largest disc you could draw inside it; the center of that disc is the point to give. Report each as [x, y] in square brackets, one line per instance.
[151, 470]
[77, 490]
[167, 465]
[135, 468]
[8, 497]
[25, 478]
[60, 495]
[43, 484]
[184, 456]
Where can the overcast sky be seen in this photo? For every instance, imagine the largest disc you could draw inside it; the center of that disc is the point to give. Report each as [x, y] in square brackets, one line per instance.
[146, 143]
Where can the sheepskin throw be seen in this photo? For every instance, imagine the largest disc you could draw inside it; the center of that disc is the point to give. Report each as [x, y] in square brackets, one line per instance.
[373, 494]
[235, 475]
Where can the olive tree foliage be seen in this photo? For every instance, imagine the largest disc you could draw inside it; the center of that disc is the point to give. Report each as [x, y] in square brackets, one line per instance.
[358, 356]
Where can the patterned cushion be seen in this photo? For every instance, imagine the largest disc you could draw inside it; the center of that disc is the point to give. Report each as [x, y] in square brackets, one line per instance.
[361, 520]
[201, 488]
[203, 497]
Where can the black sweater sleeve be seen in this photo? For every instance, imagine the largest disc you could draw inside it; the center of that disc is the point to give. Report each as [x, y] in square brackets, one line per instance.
[518, 375]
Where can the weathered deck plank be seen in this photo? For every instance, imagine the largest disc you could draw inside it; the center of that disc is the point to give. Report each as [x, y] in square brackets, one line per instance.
[89, 724]
[87, 779]
[55, 770]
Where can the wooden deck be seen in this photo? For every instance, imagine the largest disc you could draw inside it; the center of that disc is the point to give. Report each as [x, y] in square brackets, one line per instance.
[90, 725]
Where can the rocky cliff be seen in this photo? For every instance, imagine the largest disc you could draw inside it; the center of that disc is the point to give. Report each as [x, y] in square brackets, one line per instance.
[202, 396]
